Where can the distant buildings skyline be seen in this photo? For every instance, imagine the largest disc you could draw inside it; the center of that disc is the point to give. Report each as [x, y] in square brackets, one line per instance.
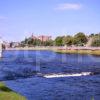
[51, 17]
[41, 37]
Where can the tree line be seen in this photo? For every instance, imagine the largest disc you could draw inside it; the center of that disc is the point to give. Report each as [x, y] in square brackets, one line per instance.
[79, 39]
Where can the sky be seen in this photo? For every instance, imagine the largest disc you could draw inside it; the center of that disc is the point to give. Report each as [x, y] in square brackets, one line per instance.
[21, 18]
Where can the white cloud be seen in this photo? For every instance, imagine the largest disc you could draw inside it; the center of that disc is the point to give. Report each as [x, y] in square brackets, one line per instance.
[68, 6]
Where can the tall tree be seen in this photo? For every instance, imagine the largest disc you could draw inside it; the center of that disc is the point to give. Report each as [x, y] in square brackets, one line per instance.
[96, 40]
[80, 39]
[68, 40]
[59, 41]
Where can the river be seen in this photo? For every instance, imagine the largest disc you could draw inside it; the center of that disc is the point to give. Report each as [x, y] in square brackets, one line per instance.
[19, 69]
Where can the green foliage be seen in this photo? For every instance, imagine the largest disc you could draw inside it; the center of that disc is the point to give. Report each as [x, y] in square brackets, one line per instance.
[80, 39]
[8, 94]
[68, 40]
[36, 42]
[92, 35]
[59, 41]
[48, 43]
[96, 40]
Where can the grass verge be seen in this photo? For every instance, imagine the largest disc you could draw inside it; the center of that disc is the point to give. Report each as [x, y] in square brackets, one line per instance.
[91, 52]
[8, 94]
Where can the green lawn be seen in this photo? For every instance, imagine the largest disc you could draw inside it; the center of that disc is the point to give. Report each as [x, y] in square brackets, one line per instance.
[8, 94]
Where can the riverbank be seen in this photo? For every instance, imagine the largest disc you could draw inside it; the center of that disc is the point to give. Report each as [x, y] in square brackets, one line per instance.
[29, 48]
[8, 94]
[90, 52]
[62, 49]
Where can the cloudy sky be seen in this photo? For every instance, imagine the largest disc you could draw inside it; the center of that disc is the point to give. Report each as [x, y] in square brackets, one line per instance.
[19, 18]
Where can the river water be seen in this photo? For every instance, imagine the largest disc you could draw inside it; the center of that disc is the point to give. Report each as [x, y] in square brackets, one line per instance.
[18, 69]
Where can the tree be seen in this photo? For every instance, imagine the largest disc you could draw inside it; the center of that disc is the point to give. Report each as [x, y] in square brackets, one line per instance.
[11, 44]
[96, 40]
[59, 41]
[68, 40]
[26, 41]
[80, 39]
[92, 35]
[48, 43]
[36, 42]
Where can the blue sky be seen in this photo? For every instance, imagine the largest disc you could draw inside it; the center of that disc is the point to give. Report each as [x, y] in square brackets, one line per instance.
[19, 18]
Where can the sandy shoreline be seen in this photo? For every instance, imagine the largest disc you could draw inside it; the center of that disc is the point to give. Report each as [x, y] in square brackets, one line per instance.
[29, 48]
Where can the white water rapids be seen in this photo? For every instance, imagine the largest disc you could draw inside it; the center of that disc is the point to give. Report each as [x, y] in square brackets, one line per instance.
[67, 75]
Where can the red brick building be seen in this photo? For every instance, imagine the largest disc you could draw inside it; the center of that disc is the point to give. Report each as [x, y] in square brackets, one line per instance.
[44, 38]
[41, 37]
[33, 37]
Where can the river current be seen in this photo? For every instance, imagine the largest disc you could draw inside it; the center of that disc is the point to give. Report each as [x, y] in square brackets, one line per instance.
[23, 71]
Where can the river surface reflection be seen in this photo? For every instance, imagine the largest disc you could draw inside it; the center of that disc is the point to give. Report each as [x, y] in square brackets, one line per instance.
[19, 71]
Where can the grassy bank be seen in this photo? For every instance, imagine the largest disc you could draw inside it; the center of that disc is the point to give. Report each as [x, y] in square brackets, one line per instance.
[91, 52]
[8, 94]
